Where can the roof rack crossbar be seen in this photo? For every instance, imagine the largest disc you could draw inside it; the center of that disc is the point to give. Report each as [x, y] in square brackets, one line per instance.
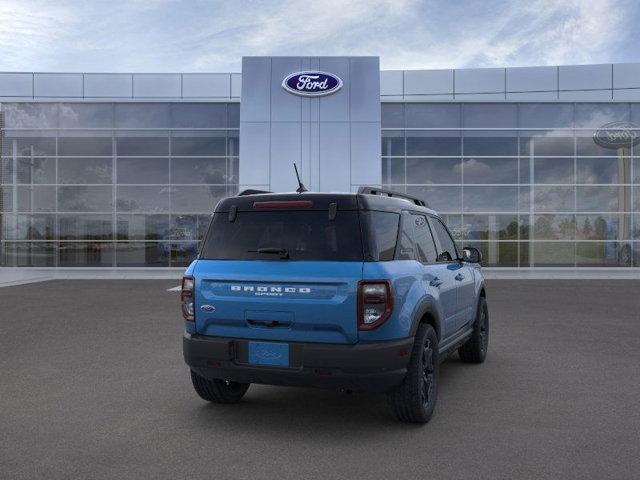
[391, 193]
[251, 191]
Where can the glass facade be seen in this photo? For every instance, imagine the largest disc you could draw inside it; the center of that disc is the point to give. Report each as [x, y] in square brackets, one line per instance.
[526, 183]
[132, 184]
[113, 184]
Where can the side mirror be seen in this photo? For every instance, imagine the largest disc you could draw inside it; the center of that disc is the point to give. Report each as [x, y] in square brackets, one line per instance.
[471, 255]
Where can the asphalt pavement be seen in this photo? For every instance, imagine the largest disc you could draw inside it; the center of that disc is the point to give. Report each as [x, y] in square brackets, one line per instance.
[93, 386]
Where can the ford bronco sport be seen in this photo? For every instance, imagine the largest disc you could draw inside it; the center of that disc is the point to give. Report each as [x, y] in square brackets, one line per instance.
[363, 291]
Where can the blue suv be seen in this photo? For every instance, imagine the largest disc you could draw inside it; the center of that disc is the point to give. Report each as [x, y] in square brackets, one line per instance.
[357, 291]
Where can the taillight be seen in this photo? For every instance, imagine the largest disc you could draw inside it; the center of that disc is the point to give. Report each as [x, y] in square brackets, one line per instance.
[187, 298]
[375, 303]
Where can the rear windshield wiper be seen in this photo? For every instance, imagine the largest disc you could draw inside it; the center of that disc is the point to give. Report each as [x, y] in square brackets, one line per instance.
[283, 252]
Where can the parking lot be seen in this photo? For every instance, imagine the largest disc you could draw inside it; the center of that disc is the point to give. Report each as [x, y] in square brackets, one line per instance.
[93, 385]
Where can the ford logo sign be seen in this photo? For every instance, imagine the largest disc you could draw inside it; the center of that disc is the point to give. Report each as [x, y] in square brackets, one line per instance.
[312, 84]
[616, 135]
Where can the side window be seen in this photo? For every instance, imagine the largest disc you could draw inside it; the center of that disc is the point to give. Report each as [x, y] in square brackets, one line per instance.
[406, 249]
[446, 245]
[426, 249]
[383, 232]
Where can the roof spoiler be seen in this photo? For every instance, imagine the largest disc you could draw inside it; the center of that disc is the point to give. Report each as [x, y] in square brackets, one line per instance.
[391, 193]
[251, 191]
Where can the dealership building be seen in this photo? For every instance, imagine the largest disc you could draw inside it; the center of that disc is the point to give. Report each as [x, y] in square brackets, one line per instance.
[535, 166]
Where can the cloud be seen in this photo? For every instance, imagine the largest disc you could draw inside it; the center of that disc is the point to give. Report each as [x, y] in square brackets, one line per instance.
[168, 35]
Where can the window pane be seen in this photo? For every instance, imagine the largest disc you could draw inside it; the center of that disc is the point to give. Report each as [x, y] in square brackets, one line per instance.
[603, 227]
[212, 144]
[553, 170]
[602, 199]
[196, 199]
[86, 115]
[85, 199]
[6, 170]
[382, 228]
[41, 254]
[433, 143]
[37, 199]
[182, 253]
[233, 112]
[554, 227]
[91, 146]
[393, 170]
[142, 254]
[489, 227]
[34, 227]
[603, 254]
[143, 199]
[142, 146]
[392, 115]
[490, 145]
[392, 143]
[497, 254]
[233, 143]
[585, 145]
[553, 254]
[542, 144]
[85, 170]
[442, 199]
[6, 199]
[491, 199]
[554, 199]
[434, 170]
[142, 170]
[432, 115]
[29, 146]
[30, 115]
[200, 170]
[603, 170]
[490, 170]
[142, 227]
[598, 114]
[79, 254]
[199, 115]
[406, 238]
[487, 115]
[142, 115]
[85, 227]
[545, 115]
[36, 170]
[183, 227]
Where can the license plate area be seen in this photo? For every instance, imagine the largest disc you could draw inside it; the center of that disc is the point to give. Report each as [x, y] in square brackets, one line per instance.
[268, 353]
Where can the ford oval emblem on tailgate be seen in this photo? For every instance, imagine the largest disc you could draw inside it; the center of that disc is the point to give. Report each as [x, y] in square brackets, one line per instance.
[207, 308]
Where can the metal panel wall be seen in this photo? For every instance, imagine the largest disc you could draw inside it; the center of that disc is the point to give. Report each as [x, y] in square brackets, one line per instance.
[334, 139]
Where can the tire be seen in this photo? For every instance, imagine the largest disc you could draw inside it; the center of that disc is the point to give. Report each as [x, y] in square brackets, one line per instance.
[474, 350]
[415, 399]
[218, 391]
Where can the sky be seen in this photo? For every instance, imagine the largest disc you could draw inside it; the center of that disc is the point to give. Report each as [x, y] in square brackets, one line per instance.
[212, 36]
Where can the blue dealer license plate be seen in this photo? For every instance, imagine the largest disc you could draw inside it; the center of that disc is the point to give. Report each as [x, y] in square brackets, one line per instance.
[267, 353]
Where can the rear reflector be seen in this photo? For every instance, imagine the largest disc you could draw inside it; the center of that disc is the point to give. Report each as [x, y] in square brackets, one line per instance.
[284, 204]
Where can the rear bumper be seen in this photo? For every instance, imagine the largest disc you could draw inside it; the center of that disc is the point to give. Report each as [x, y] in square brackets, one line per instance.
[374, 366]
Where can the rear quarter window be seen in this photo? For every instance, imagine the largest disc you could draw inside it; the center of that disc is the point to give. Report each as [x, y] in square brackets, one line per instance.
[381, 234]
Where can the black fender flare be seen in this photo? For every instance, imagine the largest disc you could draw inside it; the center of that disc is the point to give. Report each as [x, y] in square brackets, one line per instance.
[427, 306]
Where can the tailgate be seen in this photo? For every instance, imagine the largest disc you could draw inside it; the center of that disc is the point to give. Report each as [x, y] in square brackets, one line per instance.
[298, 301]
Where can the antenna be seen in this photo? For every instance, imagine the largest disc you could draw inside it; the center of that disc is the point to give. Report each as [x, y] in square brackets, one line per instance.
[301, 188]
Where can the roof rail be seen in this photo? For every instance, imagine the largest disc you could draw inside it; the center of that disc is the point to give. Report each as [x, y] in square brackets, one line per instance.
[391, 193]
[250, 191]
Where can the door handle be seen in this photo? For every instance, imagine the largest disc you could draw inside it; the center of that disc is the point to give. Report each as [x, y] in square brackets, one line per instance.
[459, 277]
[436, 282]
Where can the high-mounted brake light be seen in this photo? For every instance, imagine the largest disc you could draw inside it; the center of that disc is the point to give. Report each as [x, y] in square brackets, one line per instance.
[284, 204]
[187, 298]
[375, 303]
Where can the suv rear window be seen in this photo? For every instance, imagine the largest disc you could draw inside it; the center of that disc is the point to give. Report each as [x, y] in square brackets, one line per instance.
[304, 235]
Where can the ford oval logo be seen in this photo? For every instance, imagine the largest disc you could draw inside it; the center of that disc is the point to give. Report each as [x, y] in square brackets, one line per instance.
[312, 83]
[617, 135]
[207, 308]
